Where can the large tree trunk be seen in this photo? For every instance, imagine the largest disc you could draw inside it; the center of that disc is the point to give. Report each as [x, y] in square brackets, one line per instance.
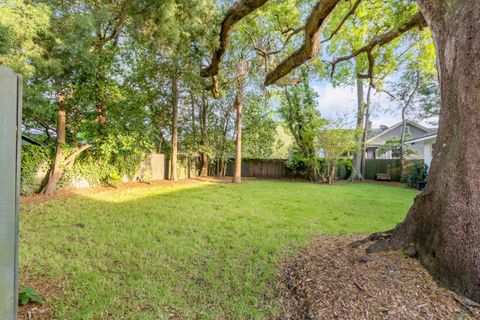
[173, 166]
[357, 155]
[56, 172]
[444, 221]
[203, 141]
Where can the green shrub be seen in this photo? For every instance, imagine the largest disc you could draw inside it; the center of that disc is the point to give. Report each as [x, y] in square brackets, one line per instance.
[418, 173]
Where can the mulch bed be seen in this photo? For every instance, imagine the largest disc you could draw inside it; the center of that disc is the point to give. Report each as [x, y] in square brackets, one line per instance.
[333, 280]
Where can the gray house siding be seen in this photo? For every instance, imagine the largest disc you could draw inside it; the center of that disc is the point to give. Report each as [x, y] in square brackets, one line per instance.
[413, 131]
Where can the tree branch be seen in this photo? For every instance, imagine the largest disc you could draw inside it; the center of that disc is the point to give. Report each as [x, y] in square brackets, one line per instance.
[71, 158]
[416, 20]
[235, 13]
[311, 44]
[349, 13]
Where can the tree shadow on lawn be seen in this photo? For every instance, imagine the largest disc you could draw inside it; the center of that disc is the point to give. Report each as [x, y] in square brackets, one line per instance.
[208, 250]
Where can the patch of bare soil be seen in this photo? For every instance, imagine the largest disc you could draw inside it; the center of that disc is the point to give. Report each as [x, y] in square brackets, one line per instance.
[333, 280]
[47, 289]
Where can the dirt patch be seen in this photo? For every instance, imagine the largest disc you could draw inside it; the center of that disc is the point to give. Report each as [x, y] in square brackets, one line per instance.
[332, 280]
[47, 289]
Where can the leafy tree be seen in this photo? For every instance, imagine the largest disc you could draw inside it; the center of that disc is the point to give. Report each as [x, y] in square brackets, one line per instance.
[334, 141]
[449, 253]
[396, 147]
[298, 110]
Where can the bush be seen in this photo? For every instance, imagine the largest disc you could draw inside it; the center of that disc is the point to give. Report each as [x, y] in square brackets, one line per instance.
[344, 169]
[298, 166]
[418, 174]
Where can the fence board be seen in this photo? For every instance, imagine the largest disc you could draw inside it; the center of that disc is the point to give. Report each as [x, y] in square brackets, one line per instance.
[390, 166]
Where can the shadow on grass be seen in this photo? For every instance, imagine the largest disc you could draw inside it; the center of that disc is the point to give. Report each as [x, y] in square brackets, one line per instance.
[208, 250]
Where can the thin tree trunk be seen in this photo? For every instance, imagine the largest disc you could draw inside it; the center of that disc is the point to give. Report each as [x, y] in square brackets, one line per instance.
[402, 142]
[194, 126]
[444, 221]
[365, 130]
[241, 73]
[203, 154]
[56, 172]
[237, 174]
[357, 155]
[173, 166]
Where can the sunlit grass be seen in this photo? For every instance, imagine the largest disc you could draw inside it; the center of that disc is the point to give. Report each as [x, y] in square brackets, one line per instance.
[207, 251]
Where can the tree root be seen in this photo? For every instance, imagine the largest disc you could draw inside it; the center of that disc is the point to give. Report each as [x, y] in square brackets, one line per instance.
[402, 237]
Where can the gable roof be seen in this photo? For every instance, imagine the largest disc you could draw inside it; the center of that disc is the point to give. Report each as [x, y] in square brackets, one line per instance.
[431, 134]
[408, 122]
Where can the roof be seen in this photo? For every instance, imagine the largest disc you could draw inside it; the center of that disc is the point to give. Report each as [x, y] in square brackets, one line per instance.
[408, 122]
[430, 135]
[31, 141]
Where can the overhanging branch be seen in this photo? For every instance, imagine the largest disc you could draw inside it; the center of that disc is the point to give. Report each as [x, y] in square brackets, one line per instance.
[416, 20]
[235, 13]
[311, 44]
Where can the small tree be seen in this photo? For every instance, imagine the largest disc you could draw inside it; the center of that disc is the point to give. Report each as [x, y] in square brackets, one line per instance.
[395, 146]
[334, 142]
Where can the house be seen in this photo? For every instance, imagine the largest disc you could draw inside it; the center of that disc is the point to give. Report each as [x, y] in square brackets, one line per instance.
[26, 140]
[425, 142]
[379, 136]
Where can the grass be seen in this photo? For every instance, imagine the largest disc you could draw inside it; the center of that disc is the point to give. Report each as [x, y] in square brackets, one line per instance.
[204, 251]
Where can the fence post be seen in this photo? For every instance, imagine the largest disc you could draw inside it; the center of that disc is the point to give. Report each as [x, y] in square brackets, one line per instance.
[10, 143]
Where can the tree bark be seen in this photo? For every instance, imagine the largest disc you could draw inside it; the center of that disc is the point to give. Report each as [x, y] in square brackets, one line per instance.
[223, 162]
[203, 140]
[444, 221]
[365, 130]
[237, 175]
[56, 172]
[357, 155]
[241, 73]
[173, 166]
[402, 142]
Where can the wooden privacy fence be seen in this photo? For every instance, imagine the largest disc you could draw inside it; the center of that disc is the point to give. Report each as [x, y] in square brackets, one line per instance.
[390, 166]
[265, 168]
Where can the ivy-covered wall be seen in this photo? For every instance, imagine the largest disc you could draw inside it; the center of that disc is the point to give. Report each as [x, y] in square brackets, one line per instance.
[33, 160]
[91, 168]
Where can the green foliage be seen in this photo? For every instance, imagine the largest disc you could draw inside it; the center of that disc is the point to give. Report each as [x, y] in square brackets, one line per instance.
[344, 168]
[108, 162]
[334, 142]
[418, 173]
[393, 144]
[27, 295]
[298, 110]
[259, 137]
[32, 158]
[298, 164]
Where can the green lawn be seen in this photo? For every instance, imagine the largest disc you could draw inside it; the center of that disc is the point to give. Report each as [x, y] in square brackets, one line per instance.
[207, 251]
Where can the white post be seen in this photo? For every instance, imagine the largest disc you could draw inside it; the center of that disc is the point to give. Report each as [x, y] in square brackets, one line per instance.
[10, 142]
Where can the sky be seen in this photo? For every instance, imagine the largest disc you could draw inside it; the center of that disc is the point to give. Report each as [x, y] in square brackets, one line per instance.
[342, 101]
